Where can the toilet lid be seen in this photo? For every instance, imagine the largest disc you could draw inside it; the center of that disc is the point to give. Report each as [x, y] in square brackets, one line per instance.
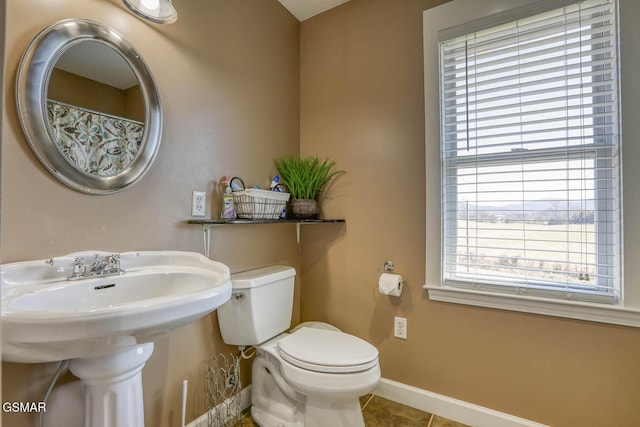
[322, 350]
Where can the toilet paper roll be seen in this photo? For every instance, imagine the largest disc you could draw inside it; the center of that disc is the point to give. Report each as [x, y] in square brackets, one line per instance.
[390, 284]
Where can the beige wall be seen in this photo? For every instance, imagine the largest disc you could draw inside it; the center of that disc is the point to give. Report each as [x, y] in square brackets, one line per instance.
[228, 75]
[134, 104]
[82, 92]
[362, 104]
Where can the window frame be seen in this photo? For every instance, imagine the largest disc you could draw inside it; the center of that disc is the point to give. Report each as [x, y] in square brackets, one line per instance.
[626, 310]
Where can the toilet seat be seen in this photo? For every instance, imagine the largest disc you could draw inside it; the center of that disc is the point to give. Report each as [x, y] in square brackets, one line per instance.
[327, 351]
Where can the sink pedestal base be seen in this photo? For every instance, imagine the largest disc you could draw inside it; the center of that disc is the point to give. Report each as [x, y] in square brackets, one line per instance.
[113, 387]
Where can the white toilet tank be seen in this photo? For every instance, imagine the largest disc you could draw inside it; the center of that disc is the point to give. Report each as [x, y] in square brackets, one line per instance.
[260, 306]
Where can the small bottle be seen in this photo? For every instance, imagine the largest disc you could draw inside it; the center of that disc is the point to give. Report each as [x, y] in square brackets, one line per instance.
[276, 186]
[275, 183]
[228, 210]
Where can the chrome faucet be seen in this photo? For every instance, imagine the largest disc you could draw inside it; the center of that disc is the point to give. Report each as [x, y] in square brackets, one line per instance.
[107, 266]
[100, 267]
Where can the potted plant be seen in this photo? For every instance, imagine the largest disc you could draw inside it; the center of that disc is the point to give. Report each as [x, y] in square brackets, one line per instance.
[305, 178]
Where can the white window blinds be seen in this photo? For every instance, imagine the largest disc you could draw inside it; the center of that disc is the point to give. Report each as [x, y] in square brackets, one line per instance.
[530, 152]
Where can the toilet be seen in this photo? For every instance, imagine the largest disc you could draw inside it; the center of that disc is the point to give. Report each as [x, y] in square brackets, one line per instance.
[311, 376]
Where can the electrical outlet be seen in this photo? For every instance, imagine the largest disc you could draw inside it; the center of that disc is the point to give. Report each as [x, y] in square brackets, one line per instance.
[400, 327]
[198, 203]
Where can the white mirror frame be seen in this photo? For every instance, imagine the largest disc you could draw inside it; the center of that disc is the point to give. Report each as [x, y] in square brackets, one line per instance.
[32, 84]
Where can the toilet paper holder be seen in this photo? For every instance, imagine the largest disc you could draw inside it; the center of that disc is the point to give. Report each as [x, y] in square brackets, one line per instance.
[388, 267]
[389, 283]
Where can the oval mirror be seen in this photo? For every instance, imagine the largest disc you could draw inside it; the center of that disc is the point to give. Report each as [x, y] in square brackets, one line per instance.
[89, 106]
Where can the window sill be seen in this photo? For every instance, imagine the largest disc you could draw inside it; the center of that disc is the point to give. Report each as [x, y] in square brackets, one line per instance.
[612, 314]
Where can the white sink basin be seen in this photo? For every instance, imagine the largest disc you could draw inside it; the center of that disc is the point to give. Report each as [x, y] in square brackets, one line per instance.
[46, 317]
[106, 324]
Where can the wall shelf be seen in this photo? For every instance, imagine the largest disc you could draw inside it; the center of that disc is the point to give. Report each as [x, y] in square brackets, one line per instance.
[208, 224]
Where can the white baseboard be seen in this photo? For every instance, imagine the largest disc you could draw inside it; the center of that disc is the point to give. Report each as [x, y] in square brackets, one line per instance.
[427, 401]
[245, 401]
[447, 407]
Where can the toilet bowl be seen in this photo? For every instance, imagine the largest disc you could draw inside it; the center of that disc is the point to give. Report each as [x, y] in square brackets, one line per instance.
[320, 374]
[312, 376]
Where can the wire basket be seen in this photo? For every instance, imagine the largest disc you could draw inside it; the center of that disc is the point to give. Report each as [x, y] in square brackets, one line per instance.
[259, 204]
[223, 387]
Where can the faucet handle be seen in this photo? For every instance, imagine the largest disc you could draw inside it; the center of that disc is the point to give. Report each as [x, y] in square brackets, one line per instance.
[112, 264]
[78, 267]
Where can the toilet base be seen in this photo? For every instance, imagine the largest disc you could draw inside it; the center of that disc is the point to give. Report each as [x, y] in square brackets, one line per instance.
[275, 404]
[266, 419]
[325, 413]
[317, 414]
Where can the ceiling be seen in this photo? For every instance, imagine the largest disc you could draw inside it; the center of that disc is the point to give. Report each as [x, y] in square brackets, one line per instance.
[304, 9]
[100, 62]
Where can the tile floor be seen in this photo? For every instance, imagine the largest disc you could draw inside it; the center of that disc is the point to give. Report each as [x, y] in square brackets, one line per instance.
[380, 412]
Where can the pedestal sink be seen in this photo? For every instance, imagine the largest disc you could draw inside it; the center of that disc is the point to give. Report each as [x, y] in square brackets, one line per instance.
[61, 309]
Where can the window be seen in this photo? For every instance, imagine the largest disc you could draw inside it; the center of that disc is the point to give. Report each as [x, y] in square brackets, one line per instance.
[530, 161]
[530, 151]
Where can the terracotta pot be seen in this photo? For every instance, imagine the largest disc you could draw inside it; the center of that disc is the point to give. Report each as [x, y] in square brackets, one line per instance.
[304, 208]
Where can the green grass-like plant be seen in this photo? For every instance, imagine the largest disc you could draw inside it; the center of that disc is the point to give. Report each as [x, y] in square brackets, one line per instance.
[306, 177]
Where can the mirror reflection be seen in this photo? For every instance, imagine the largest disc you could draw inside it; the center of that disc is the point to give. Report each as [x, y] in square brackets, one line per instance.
[95, 109]
[89, 106]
